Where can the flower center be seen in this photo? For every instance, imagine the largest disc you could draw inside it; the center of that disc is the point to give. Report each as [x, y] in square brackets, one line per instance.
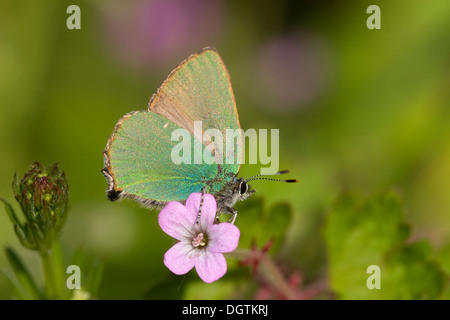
[200, 240]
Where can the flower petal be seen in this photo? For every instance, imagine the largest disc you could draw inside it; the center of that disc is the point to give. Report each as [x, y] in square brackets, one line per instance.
[223, 237]
[179, 258]
[210, 266]
[177, 221]
[209, 208]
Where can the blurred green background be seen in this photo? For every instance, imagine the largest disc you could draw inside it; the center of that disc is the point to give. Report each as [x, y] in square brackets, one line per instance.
[358, 109]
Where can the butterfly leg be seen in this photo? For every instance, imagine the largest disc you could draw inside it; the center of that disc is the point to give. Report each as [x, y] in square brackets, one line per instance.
[201, 205]
[233, 214]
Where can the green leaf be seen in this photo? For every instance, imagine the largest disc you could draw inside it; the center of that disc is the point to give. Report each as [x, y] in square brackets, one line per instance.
[79, 257]
[16, 186]
[167, 289]
[22, 274]
[24, 236]
[18, 291]
[92, 273]
[10, 211]
[260, 225]
[359, 234]
[94, 277]
[443, 256]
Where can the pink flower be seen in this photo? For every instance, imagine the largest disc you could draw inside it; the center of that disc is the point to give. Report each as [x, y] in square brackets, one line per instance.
[201, 245]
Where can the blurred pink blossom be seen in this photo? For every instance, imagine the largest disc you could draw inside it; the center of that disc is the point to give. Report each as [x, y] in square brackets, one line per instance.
[291, 69]
[146, 33]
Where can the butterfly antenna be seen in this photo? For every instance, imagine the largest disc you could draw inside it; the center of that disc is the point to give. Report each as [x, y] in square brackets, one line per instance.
[263, 177]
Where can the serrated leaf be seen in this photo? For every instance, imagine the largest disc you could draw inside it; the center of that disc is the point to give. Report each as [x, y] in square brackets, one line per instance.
[359, 234]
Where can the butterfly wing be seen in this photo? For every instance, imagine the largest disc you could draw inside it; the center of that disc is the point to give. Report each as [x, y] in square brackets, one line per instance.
[199, 89]
[138, 161]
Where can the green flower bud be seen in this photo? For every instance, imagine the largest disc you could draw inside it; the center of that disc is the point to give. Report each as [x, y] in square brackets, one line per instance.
[43, 195]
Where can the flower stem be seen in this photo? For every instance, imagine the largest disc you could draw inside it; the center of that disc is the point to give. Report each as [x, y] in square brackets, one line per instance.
[268, 271]
[273, 276]
[47, 265]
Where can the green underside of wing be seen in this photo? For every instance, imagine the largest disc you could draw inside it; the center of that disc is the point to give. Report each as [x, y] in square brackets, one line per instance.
[140, 158]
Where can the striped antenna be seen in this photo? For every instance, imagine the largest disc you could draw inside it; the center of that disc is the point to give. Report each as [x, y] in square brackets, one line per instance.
[263, 177]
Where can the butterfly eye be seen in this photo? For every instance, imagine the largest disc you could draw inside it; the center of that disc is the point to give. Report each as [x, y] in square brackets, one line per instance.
[243, 187]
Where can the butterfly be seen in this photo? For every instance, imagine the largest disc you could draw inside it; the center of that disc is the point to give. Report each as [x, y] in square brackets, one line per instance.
[137, 157]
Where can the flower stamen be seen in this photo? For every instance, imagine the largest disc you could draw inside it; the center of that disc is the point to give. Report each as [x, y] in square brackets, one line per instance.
[198, 240]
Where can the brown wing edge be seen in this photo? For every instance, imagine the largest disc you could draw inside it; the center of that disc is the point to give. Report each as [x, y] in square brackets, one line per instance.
[113, 192]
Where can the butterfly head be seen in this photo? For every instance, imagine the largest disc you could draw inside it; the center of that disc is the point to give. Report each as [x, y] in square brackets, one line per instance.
[244, 190]
[240, 189]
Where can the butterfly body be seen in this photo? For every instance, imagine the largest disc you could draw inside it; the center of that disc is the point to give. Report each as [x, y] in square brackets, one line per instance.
[233, 191]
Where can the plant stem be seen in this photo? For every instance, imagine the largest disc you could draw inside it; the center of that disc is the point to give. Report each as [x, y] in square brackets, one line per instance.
[272, 275]
[268, 271]
[47, 265]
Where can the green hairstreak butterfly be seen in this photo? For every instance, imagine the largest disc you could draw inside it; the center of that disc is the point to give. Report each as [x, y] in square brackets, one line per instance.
[137, 157]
